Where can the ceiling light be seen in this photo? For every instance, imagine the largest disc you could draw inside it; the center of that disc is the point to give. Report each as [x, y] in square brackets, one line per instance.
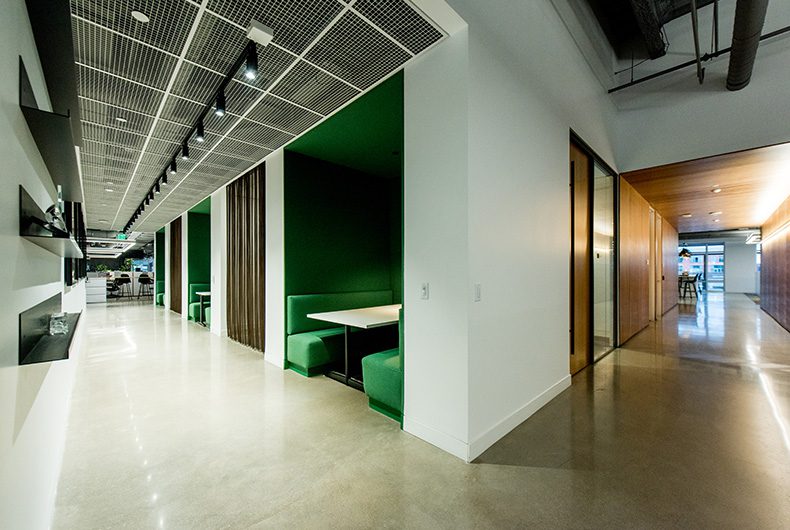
[156, 188]
[139, 16]
[251, 68]
[200, 135]
[715, 213]
[219, 110]
[686, 215]
[173, 167]
[185, 151]
[103, 221]
[151, 195]
[108, 190]
[147, 201]
[715, 220]
[716, 190]
[163, 179]
[121, 120]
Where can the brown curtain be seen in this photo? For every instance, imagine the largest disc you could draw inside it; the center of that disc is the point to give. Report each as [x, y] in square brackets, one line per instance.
[175, 265]
[246, 208]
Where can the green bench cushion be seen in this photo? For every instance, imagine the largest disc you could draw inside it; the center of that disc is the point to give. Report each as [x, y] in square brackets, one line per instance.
[383, 380]
[299, 306]
[194, 309]
[160, 299]
[310, 352]
[207, 315]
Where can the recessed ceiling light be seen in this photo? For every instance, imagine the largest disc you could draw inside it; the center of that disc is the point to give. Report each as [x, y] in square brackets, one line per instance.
[715, 213]
[686, 215]
[109, 190]
[103, 221]
[716, 190]
[139, 16]
[120, 119]
[715, 220]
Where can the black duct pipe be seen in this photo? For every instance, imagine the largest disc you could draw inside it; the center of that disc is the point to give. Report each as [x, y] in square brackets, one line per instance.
[749, 21]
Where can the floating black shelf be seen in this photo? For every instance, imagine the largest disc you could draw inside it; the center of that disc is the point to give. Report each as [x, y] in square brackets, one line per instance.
[35, 229]
[36, 345]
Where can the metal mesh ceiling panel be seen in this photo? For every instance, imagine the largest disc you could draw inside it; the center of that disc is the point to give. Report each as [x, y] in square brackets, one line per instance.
[296, 23]
[401, 22]
[363, 59]
[312, 88]
[159, 76]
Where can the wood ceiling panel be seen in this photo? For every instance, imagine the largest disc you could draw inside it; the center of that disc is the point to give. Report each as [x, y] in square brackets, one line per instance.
[753, 184]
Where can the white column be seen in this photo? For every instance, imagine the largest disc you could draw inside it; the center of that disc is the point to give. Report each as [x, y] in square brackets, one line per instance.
[274, 349]
[168, 279]
[219, 262]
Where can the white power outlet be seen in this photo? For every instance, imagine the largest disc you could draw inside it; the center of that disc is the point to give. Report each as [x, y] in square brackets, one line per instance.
[478, 292]
[425, 291]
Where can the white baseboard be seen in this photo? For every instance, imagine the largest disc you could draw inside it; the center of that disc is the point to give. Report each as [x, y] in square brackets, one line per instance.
[495, 433]
[443, 441]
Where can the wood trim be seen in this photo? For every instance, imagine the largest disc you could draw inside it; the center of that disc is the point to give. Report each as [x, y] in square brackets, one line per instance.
[246, 258]
[581, 262]
[175, 265]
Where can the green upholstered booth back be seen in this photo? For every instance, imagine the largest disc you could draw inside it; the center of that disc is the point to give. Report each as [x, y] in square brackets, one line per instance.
[195, 287]
[299, 306]
[160, 286]
[159, 263]
[198, 249]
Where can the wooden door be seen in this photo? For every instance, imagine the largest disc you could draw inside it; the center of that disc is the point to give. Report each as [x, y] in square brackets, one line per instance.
[175, 265]
[581, 262]
[658, 266]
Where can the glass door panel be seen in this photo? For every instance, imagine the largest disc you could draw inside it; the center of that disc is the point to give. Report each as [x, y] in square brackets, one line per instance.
[714, 274]
[603, 262]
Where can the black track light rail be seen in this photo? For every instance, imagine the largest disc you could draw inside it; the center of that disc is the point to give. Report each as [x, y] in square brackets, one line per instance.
[250, 52]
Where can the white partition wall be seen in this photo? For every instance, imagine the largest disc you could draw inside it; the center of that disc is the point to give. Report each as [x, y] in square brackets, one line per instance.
[184, 265]
[219, 262]
[168, 257]
[274, 351]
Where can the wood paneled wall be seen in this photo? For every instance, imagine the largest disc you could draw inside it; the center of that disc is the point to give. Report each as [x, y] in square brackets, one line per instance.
[775, 267]
[175, 265]
[246, 223]
[634, 258]
[581, 280]
[669, 267]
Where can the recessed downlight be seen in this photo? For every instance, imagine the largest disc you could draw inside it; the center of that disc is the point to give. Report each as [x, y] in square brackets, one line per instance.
[716, 190]
[715, 220]
[121, 119]
[103, 221]
[715, 213]
[139, 16]
[109, 190]
[686, 215]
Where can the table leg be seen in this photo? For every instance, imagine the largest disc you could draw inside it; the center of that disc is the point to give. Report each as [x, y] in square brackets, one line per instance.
[200, 312]
[345, 352]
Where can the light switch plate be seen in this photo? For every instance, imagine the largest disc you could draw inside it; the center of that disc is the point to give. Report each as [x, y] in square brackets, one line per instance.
[478, 292]
[425, 292]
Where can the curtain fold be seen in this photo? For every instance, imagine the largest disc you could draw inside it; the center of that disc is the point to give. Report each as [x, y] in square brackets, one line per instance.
[246, 250]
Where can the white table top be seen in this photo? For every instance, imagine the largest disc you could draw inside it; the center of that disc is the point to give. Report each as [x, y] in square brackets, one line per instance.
[203, 293]
[365, 317]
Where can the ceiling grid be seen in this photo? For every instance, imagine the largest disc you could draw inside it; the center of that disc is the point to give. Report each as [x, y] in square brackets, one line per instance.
[143, 85]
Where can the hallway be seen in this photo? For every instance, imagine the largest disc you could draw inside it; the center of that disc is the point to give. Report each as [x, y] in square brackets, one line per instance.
[172, 427]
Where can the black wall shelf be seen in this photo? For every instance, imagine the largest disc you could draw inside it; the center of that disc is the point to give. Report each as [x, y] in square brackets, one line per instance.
[36, 345]
[34, 228]
[53, 134]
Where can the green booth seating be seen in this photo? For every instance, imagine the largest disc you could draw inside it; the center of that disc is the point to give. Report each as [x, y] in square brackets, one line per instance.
[207, 315]
[160, 293]
[382, 374]
[313, 344]
[194, 301]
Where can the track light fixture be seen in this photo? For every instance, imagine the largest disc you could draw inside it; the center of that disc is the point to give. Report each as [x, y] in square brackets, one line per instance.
[185, 151]
[173, 167]
[147, 201]
[200, 135]
[151, 195]
[251, 68]
[163, 179]
[219, 109]
[157, 190]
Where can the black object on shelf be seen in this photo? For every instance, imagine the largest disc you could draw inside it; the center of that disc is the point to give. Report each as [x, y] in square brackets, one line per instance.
[53, 134]
[36, 345]
[34, 227]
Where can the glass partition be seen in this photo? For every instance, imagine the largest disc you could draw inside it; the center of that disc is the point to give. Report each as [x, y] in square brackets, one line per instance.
[603, 261]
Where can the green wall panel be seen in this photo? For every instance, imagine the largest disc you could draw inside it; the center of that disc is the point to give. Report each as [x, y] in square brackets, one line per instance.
[342, 229]
[198, 248]
[159, 264]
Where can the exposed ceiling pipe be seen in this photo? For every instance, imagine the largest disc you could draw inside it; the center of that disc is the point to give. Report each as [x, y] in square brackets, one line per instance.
[749, 21]
[695, 28]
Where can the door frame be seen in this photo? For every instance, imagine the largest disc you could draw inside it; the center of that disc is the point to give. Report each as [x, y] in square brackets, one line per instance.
[595, 158]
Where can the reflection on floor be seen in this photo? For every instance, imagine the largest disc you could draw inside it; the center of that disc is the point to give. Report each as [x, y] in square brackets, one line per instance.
[174, 428]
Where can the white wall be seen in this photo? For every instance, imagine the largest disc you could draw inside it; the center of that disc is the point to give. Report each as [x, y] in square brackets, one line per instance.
[34, 399]
[274, 348]
[168, 257]
[219, 262]
[436, 392]
[740, 267]
[184, 265]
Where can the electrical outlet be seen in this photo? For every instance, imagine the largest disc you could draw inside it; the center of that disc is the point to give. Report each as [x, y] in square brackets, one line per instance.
[478, 292]
[425, 292]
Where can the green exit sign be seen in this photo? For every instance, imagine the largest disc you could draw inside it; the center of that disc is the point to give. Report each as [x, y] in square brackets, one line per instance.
[120, 236]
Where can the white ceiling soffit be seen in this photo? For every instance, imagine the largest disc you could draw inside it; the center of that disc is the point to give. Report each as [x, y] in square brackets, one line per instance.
[143, 85]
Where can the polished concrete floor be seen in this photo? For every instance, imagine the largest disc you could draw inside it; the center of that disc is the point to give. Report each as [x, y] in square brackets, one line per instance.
[172, 427]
